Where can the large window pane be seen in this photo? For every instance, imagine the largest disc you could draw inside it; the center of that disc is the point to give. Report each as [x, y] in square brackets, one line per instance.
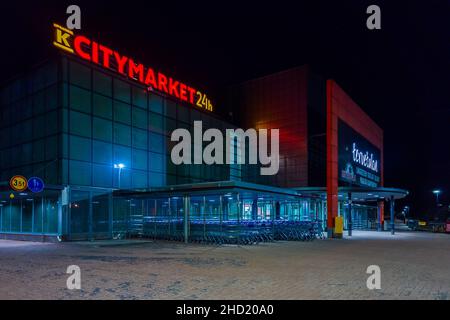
[80, 99]
[39, 125]
[15, 215]
[139, 159]
[79, 213]
[102, 106]
[51, 214]
[38, 215]
[155, 103]
[80, 75]
[171, 109]
[51, 172]
[39, 150]
[140, 118]
[80, 124]
[139, 138]
[156, 122]
[183, 113]
[156, 179]
[121, 91]
[102, 152]
[79, 173]
[103, 176]
[139, 97]
[27, 152]
[122, 112]
[102, 83]
[5, 222]
[51, 119]
[100, 213]
[139, 179]
[156, 162]
[27, 215]
[156, 142]
[122, 155]
[51, 97]
[125, 178]
[80, 148]
[51, 148]
[122, 134]
[102, 129]
[171, 125]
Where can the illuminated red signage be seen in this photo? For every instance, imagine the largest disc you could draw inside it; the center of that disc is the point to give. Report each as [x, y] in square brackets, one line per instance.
[94, 52]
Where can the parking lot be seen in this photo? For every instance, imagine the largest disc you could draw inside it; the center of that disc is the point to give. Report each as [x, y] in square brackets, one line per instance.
[413, 266]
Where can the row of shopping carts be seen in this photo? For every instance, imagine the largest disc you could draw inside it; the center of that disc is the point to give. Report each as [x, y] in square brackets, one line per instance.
[299, 230]
[233, 232]
[243, 233]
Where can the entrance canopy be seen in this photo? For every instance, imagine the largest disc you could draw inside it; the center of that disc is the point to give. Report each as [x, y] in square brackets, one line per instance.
[244, 189]
[358, 193]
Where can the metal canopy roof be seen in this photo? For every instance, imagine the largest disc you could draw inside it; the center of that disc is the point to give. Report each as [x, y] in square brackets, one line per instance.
[245, 190]
[250, 190]
[358, 193]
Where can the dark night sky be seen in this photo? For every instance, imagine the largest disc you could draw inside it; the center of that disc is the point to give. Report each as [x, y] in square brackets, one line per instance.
[399, 75]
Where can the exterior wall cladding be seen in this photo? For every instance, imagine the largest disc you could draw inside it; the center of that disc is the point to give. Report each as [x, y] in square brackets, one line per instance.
[69, 122]
[306, 109]
[341, 106]
[278, 101]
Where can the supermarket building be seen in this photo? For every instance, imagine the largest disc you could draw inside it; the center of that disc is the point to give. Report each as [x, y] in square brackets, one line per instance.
[96, 125]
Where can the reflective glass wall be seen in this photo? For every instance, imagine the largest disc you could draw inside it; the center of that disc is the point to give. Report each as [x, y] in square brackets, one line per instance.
[364, 217]
[225, 217]
[30, 123]
[90, 214]
[110, 121]
[31, 214]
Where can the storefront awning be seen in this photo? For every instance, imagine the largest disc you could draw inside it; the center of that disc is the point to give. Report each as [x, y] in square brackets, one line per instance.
[358, 193]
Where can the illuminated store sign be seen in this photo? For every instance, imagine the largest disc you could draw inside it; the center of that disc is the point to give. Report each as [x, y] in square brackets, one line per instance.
[92, 51]
[364, 159]
[359, 160]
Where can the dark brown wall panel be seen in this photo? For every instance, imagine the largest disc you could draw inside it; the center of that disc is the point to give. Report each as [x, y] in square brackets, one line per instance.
[279, 101]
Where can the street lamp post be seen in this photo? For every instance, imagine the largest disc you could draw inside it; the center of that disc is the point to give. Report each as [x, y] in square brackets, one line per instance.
[119, 166]
[437, 192]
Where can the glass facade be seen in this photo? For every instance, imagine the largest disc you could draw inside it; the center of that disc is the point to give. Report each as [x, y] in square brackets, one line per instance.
[112, 121]
[32, 215]
[70, 123]
[217, 214]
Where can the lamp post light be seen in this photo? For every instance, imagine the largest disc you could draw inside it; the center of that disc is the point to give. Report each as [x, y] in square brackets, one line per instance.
[437, 192]
[119, 166]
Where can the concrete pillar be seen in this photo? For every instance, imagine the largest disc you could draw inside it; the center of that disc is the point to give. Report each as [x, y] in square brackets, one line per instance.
[225, 208]
[239, 211]
[203, 213]
[392, 203]
[255, 209]
[349, 218]
[186, 208]
[277, 210]
[221, 212]
[379, 213]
